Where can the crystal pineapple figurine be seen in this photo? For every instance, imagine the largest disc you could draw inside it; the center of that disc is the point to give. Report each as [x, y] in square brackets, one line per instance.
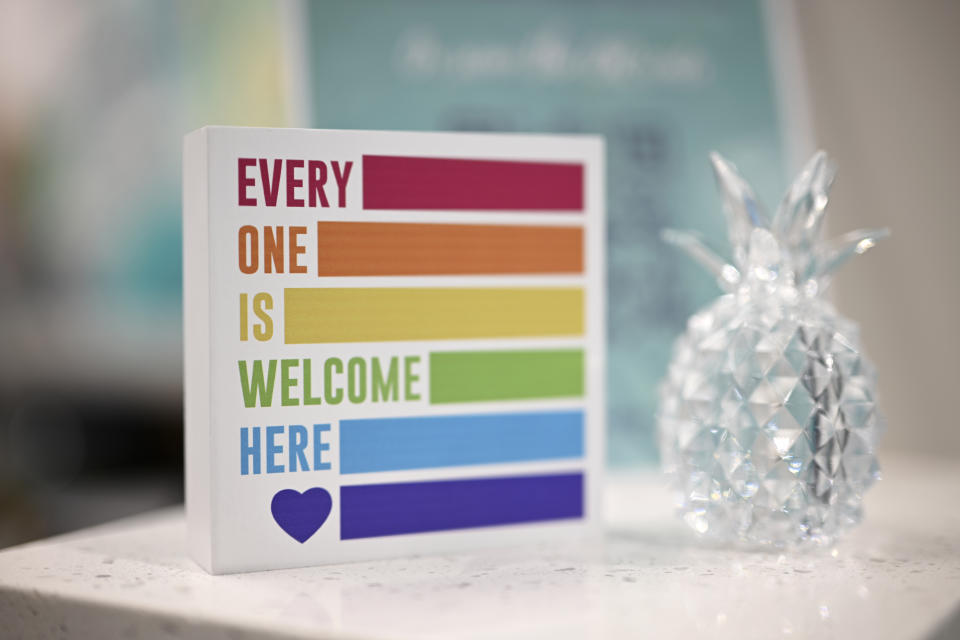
[767, 420]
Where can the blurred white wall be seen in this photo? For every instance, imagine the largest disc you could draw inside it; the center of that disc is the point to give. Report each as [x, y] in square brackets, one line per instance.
[885, 94]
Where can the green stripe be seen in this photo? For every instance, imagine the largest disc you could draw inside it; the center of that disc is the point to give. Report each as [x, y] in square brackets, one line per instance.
[478, 376]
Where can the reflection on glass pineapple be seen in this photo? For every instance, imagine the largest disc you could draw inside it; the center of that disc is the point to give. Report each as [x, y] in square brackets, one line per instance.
[768, 419]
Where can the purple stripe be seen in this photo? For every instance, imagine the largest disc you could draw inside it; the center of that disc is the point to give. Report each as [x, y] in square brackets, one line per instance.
[373, 510]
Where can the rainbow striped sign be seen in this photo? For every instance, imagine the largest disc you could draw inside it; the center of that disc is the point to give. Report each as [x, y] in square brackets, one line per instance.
[394, 342]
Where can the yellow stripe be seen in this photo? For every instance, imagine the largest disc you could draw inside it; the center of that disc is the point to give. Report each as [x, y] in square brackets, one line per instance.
[314, 316]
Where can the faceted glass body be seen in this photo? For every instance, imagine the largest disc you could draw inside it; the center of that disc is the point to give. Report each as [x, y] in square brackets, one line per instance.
[768, 422]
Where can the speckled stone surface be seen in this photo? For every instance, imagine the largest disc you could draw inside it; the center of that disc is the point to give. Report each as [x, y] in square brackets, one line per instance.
[897, 576]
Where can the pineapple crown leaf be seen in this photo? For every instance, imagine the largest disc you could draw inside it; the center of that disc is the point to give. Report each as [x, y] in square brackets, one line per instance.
[787, 248]
[691, 243]
[835, 253]
[743, 210]
[800, 213]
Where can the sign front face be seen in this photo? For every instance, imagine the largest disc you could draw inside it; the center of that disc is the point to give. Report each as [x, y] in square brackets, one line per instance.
[394, 342]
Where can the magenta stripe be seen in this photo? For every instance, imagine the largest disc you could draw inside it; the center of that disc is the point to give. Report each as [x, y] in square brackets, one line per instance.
[398, 182]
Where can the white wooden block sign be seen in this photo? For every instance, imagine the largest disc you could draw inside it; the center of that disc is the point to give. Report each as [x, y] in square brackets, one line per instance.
[394, 342]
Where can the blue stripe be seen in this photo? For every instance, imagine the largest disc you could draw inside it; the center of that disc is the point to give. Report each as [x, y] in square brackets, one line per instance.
[392, 444]
[373, 510]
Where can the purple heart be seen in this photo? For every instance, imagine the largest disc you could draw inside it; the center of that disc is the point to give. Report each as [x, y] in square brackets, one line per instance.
[301, 514]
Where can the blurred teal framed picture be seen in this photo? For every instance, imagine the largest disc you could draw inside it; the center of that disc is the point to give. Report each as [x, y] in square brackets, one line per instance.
[665, 83]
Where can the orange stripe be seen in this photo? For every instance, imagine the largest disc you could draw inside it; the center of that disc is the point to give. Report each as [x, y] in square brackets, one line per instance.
[395, 249]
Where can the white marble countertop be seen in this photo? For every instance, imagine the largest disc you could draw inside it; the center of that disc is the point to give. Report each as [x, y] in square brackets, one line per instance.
[897, 576]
